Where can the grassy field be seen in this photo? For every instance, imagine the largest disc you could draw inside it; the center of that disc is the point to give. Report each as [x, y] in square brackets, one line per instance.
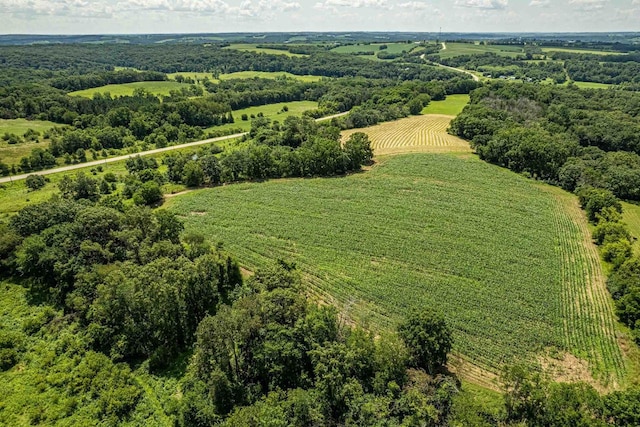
[271, 111]
[247, 75]
[427, 133]
[507, 260]
[20, 126]
[591, 85]
[457, 49]
[12, 153]
[452, 106]
[631, 216]
[126, 89]
[253, 48]
[375, 47]
[566, 49]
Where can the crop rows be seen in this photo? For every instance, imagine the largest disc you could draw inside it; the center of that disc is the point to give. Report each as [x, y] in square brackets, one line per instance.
[426, 133]
[479, 243]
[589, 329]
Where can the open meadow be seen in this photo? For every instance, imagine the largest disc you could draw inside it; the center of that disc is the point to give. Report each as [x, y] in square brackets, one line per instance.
[127, 89]
[505, 259]
[271, 111]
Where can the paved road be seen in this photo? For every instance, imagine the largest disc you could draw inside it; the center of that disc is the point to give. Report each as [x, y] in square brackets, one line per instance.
[142, 153]
[460, 70]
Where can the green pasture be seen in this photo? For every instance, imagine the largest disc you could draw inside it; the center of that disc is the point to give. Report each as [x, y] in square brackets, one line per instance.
[451, 106]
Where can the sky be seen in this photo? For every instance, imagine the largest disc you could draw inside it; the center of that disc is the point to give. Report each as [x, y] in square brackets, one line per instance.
[212, 16]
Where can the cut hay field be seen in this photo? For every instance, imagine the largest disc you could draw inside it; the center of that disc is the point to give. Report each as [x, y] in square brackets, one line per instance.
[426, 133]
[508, 261]
[458, 49]
[254, 48]
[126, 89]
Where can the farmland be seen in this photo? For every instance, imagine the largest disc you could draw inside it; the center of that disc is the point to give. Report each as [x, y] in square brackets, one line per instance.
[457, 49]
[254, 48]
[126, 89]
[505, 259]
[417, 133]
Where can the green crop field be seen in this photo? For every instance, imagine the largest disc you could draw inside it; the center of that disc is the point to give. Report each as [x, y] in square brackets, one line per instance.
[126, 89]
[452, 106]
[271, 111]
[507, 260]
[246, 75]
[457, 49]
[253, 48]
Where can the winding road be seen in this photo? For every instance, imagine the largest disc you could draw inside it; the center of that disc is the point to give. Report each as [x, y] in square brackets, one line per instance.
[142, 153]
[460, 70]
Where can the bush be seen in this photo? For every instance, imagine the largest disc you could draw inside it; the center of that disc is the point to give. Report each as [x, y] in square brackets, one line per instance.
[617, 252]
[595, 200]
[610, 232]
[35, 182]
[149, 193]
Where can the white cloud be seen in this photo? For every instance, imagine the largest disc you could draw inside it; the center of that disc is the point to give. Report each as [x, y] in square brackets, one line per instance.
[415, 5]
[483, 4]
[588, 5]
[540, 3]
[80, 8]
[356, 3]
